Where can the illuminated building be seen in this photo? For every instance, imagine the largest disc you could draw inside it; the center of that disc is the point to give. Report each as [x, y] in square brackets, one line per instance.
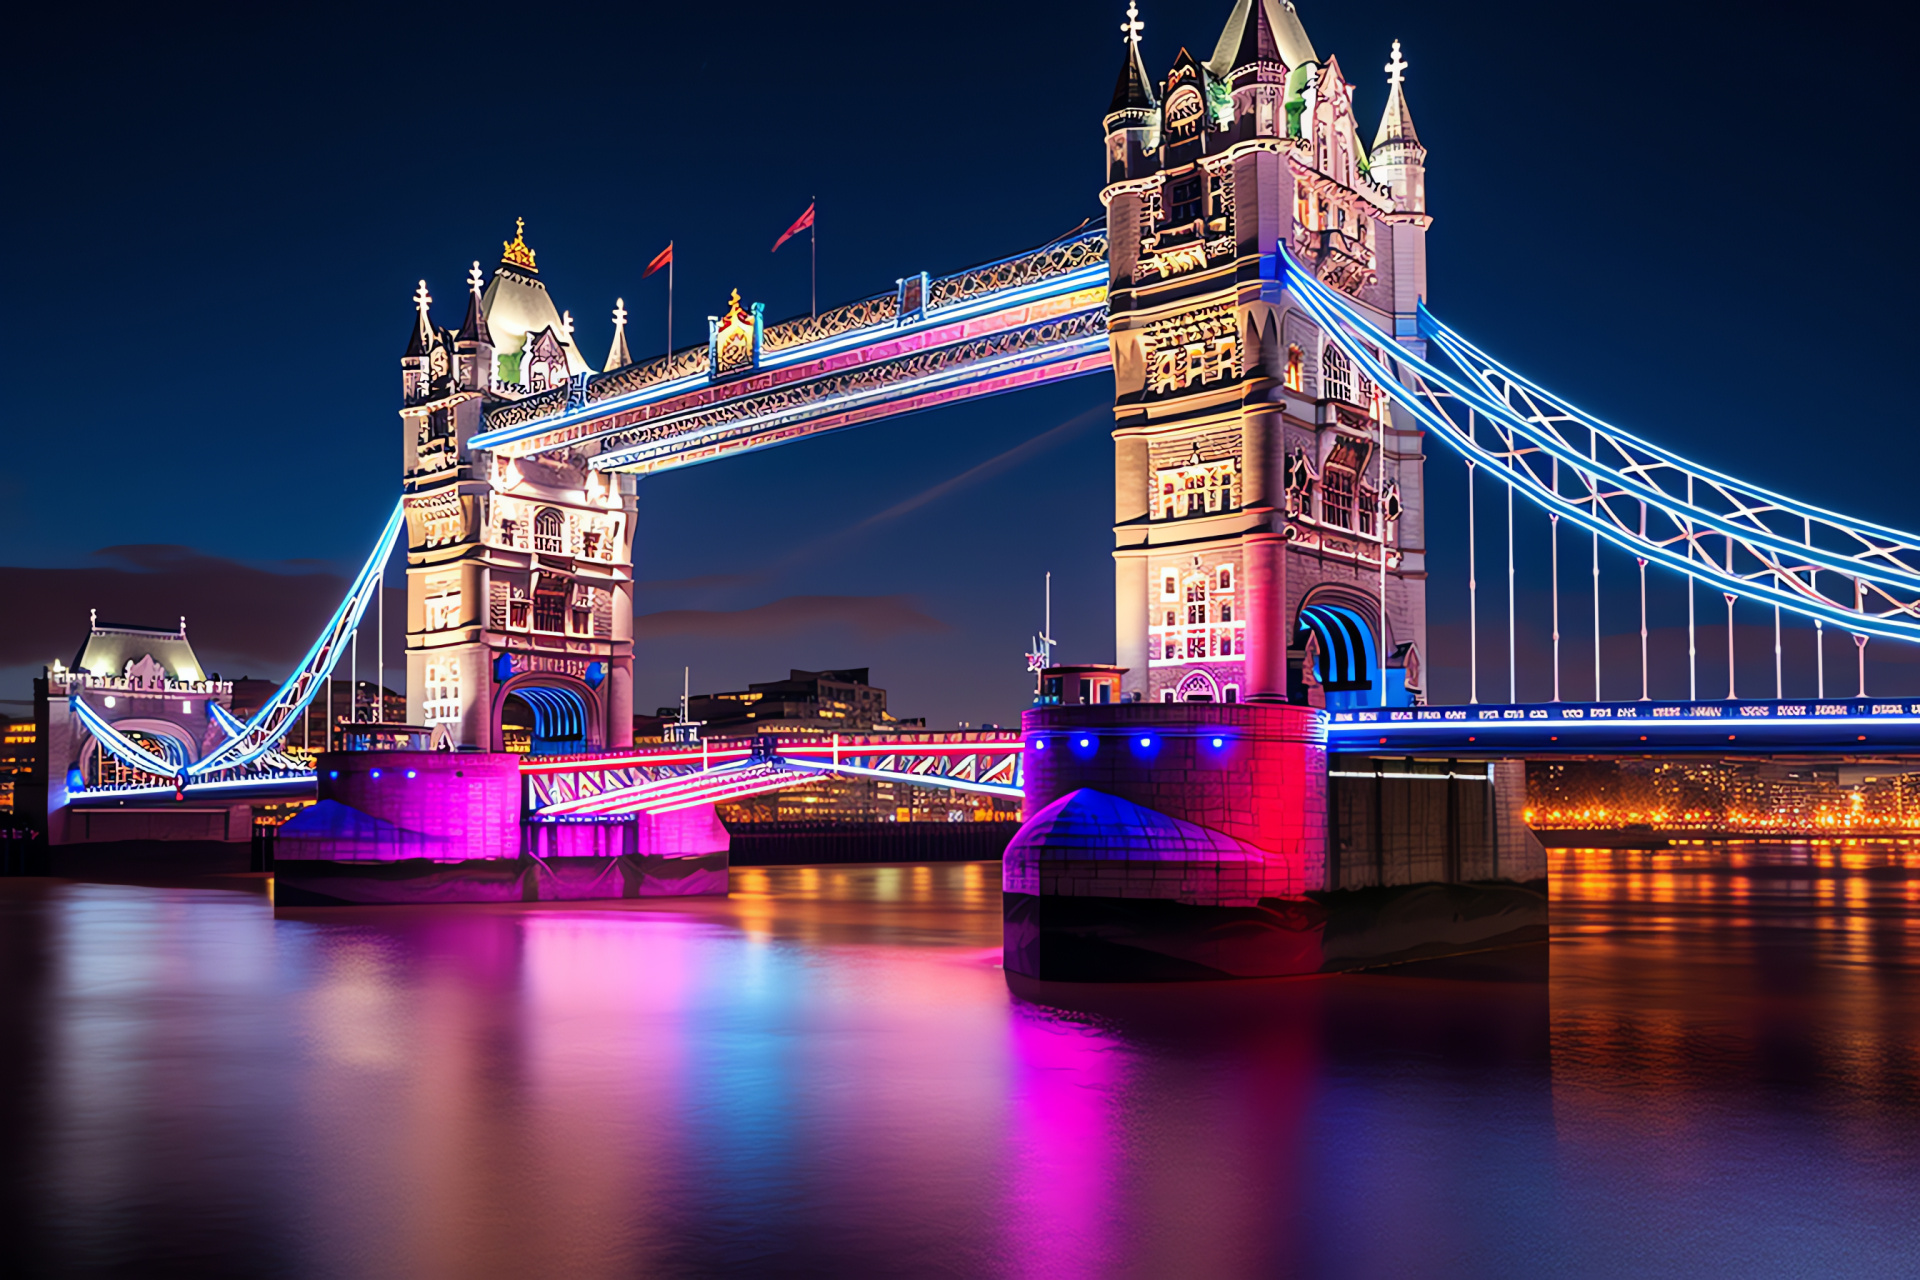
[519, 570]
[147, 684]
[18, 743]
[1267, 494]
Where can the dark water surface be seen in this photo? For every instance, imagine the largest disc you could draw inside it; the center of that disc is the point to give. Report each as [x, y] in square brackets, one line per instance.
[1713, 1070]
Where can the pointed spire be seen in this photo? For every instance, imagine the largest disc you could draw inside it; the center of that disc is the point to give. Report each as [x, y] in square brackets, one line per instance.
[422, 337]
[1396, 122]
[1134, 89]
[1258, 44]
[617, 357]
[474, 327]
[1258, 24]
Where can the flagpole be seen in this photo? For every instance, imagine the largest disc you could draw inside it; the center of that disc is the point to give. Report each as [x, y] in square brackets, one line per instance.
[669, 307]
[813, 254]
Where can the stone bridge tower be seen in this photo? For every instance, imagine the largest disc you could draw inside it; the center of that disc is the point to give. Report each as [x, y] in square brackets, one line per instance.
[1260, 481]
[519, 571]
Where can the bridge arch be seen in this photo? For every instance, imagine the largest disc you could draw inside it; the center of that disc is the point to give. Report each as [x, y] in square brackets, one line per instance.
[567, 714]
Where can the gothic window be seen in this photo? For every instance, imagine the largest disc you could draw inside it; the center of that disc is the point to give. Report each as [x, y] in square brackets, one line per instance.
[1226, 611]
[1196, 646]
[519, 610]
[1226, 577]
[1184, 200]
[1336, 374]
[549, 531]
[1226, 493]
[1169, 621]
[1336, 497]
[590, 544]
[1294, 379]
[443, 612]
[1168, 585]
[1171, 649]
[509, 533]
[550, 611]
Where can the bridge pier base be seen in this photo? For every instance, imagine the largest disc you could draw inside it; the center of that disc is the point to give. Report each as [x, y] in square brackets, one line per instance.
[1183, 841]
[423, 826]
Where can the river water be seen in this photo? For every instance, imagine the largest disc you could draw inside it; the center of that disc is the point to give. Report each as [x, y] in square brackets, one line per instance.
[1714, 1068]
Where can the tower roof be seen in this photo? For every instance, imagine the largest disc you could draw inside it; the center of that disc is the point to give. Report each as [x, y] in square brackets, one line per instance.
[1134, 89]
[1396, 122]
[617, 356]
[1247, 30]
[111, 646]
[516, 303]
[474, 327]
[421, 339]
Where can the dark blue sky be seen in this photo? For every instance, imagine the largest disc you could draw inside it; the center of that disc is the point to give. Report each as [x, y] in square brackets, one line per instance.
[1688, 218]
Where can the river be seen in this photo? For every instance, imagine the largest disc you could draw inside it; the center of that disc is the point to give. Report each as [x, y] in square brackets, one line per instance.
[1712, 1069]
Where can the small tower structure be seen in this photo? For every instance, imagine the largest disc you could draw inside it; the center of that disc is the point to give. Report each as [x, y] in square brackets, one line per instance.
[1261, 484]
[519, 571]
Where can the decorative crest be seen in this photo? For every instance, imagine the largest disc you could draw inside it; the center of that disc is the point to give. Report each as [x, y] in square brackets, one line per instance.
[734, 314]
[1396, 68]
[475, 281]
[619, 313]
[514, 252]
[1130, 29]
[422, 299]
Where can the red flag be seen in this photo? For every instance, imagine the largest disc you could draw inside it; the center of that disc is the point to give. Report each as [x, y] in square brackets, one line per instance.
[663, 258]
[800, 224]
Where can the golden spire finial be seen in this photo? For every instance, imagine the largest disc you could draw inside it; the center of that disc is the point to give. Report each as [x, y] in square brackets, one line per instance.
[514, 252]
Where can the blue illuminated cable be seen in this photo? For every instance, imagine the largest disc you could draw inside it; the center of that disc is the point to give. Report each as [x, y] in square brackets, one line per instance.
[268, 724]
[1524, 481]
[1309, 289]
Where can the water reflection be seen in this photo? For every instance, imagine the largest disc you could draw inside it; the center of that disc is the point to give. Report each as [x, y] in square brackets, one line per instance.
[1713, 1067]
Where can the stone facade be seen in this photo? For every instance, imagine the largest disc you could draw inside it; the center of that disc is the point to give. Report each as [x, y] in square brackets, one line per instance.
[1255, 471]
[519, 570]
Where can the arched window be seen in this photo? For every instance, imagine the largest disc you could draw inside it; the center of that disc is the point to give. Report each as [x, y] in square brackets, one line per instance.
[550, 532]
[1294, 382]
[1226, 577]
[1336, 374]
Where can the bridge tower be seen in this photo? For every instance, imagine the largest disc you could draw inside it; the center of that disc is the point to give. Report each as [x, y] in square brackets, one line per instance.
[519, 570]
[1267, 497]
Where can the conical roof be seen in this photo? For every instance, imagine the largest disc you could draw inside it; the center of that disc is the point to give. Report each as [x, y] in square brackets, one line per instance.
[474, 327]
[1396, 122]
[1245, 31]
[1134, 89]
[617, 357]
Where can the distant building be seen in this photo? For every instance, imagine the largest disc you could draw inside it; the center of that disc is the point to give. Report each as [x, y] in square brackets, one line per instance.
[806, 702]
[18, 741]
[818, 704]
[308, 736]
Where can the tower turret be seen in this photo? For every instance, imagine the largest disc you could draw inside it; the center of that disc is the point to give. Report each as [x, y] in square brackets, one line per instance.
[473, 345]
[1133, 117]
[617, 357]
[1398, 158]
[413, 365]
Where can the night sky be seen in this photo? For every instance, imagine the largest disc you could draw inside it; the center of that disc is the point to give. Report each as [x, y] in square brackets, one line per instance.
[1686, 218]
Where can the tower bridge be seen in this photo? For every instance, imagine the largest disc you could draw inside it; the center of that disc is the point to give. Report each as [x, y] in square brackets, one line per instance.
[1256, 287]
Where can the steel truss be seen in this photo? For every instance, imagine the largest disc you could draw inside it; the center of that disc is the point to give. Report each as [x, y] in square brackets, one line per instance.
[1737, 538]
